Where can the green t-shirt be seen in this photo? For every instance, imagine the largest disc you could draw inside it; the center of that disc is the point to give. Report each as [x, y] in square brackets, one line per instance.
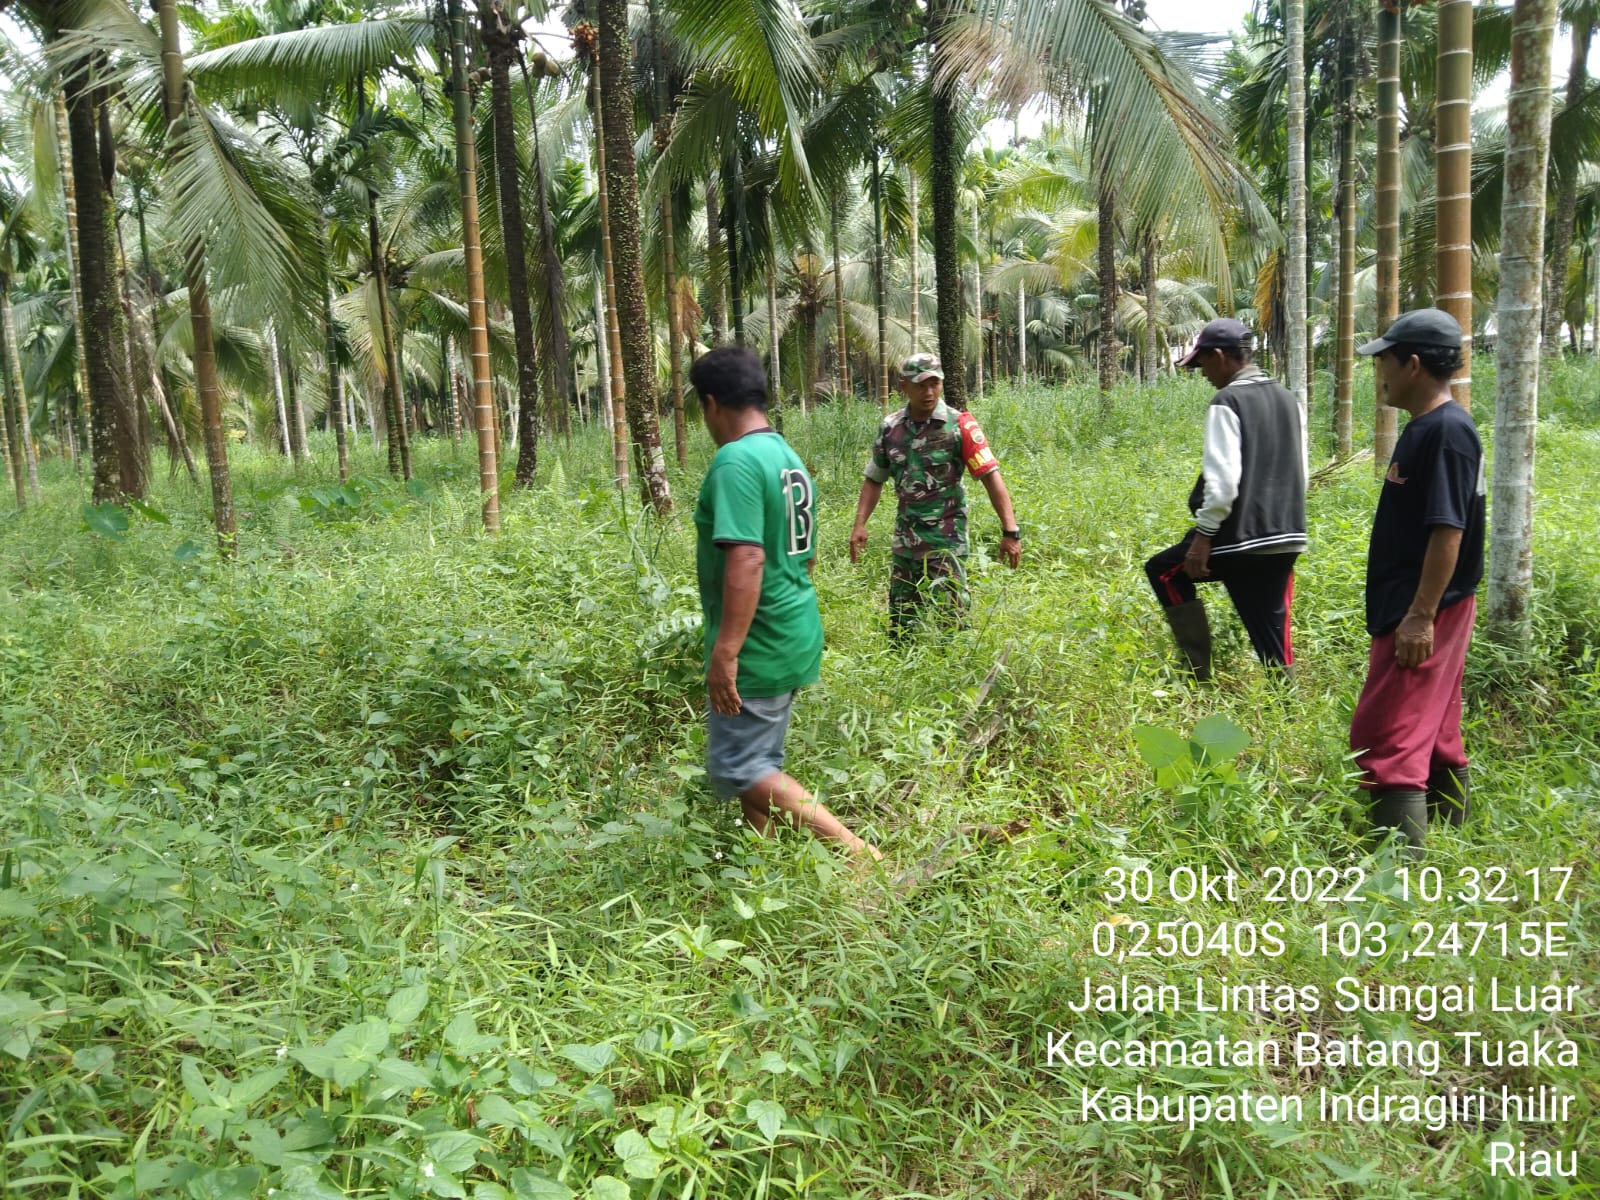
[757, 492]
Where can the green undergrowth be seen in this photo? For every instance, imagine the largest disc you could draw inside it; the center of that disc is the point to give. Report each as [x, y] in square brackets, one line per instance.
[380, 862]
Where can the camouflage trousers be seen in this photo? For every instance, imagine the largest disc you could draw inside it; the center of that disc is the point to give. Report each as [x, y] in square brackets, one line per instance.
[938, 581]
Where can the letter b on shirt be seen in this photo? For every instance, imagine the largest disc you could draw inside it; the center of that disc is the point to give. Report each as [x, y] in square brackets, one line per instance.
[798, 497]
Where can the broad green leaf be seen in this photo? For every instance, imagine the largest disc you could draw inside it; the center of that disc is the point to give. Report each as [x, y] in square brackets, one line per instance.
[348, 1054]
[93, 1060]
[188, 550]
[455, 1150]
[150, 512]
[528, 1184]
[108, 520]
[639, 1157]
[399, 1075]
[225, 1183]
[1219, 739]
[20, 1019]
[768, 1116]
[1159, 747]
[378, 717]
[463, 1037]
[592, 1059]
[608, 1187]
[406, 1005]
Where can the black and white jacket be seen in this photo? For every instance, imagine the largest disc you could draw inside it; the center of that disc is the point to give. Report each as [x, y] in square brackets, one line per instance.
[1251, 494]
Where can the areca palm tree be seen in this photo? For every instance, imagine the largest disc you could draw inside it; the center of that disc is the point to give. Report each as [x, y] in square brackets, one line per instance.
[1390, 14]
[1453, 167]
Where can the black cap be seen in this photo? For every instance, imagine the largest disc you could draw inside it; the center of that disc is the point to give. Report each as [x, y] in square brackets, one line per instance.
[1223, 332]
[1420, 327]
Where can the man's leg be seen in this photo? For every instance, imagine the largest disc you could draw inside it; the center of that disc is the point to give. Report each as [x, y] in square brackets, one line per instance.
[1181, 605]
[905, 597]
[783, 794]
[944, 579]
[1449, 787]
[1261, 587]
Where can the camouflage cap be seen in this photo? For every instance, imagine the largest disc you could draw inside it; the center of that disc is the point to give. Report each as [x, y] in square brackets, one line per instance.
[919, 367]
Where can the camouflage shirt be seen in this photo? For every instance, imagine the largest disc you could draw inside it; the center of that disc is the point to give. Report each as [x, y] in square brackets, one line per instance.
[926, 459]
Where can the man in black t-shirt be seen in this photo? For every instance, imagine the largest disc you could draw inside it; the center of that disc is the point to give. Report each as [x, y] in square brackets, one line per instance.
[1424, 563]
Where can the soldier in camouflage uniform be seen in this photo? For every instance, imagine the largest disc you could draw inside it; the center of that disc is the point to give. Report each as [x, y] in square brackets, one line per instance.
[924, 448]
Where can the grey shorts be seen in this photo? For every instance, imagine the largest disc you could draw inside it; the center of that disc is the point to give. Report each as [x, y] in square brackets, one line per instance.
[744, 749]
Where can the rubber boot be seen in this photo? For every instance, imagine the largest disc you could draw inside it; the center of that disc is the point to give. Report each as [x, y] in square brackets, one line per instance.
[1403, 810]
[1192, 632]
[1450, 795]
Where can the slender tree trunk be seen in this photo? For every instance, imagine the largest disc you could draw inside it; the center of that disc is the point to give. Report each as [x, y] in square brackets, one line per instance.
[947, 159]
[1022, 334]
[615, 387]
[498, 39]
[336, 413]
[772, 337]
[842, 342]
[1567, 198]
[977, 303]
[1517, 354]
[1386, 419]
[916, 257]
[393, 390]
[69, 196]
[13, 403]
[1150, 268]
[477, 317]
[669, 250]
[102, 309]
[275, 360]
[808, 385]
[1453, 166]
[553, 309]
[603, 369]
[1110, 348]
[733, 209]
[639, 343]
[1345, 317]
[716, 267]
[17, 388]
[877, 279]
[1296, 357]
[1594, 270]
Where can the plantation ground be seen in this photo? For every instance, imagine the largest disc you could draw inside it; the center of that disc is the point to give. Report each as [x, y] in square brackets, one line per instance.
[380, 863]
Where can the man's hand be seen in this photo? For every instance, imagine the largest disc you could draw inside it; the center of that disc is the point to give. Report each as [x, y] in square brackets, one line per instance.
[722, 683]
[1011, 551]
[1197, 562]
[858, 542]
[1413, 640]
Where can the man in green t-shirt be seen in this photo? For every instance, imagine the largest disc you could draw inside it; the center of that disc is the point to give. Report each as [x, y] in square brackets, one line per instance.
[755, 527]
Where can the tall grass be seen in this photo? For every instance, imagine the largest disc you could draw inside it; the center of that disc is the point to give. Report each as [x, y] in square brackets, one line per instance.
[381, 862]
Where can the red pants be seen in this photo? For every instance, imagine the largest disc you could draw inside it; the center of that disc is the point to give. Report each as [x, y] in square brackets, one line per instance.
[1407, 723]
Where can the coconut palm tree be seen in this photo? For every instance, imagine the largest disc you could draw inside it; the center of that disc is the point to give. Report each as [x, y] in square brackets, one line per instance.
[1453, 170]
[1517, 374]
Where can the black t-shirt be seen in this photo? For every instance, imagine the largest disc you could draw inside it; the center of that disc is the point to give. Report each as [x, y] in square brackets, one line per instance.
[1435, 478]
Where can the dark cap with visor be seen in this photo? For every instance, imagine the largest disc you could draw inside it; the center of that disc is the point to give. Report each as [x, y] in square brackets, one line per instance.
[1420, 327]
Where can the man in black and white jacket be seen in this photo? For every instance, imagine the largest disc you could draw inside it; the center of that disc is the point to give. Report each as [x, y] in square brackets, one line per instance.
[1249, 506]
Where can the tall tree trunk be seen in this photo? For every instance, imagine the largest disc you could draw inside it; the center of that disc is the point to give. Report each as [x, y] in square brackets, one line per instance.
[615, 386]
[1517, 354]
[808, 384]
[716, 267]
[394, 409]
[877, 279]
[1110, 348]
[1345, 317]
[69, 197]
[17, 390]
[946, 163]
[627, 247]
[669, 249]
[557, 356]
[336, 414]
[977, 303]
[477, 316]
[1594, 270]
[1386, 419]
[1453, 167]
[102, 308]
[842, 342]
[1022, 334]
[772, 337]
[1555, 289]
[1149, 267]
[275, 362]
[732, 210]
[297, 408]
[12, 402]
[499, 40]
[916, 256]
[602, 360]
[1296, 357]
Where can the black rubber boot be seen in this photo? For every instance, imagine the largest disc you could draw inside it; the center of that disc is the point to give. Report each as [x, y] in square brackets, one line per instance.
[1450, 795]
[1192, 631]
[1403, 810]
